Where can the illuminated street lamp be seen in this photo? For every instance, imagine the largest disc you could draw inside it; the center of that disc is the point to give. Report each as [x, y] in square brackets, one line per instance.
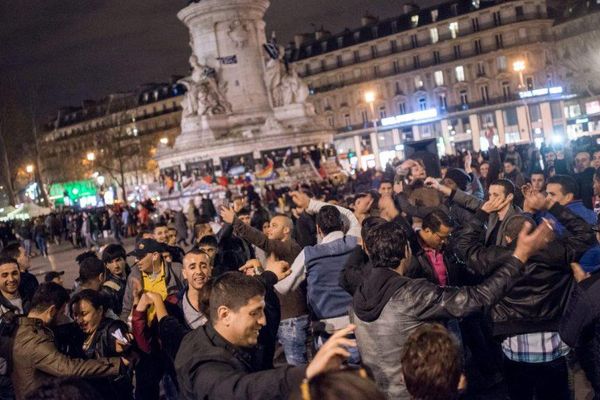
[370, 97]
[91, 156]
[29, 169]
[164, 140]
[519, 66]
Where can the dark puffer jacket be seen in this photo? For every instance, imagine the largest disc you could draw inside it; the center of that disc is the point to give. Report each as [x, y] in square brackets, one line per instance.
[537, 301]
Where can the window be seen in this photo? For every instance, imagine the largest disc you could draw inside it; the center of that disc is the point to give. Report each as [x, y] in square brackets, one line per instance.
[373, 51]
[401, 107]
[556, 110]
[529, 83]
[443, 101]
[499, 41]
[375, 31]
[477, 45]
[464, 100]
[439, 78]
[422, 104]
[460, 73]
[476, 4]
[416, 62]
[475, 24]
[376, 70]
[340, 62]
[436, 57]
[454, 9]
[340, 42]
[356, 56]
[519, 11]
[382, 112]
[535, 113]
[394, 26]
[309, 50]
[356, 36]
[331, 121]
[418, 82]
[414, 21]
[414, 41]
[393, 46]
[480, 68]
[506, 91]
[396, 67]
[497, 19]
[453, 29]
[398, 89]
[323, 65]
[364, 115]
[347, 120]
[510, 117]
[457, 51]
[434, 15]
[485, 96]
[434, 35]
[501, 63]
[306, 69]
[522, 33]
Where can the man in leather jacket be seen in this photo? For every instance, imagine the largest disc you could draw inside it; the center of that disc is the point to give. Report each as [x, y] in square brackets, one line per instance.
[388, 305]
[528, 316]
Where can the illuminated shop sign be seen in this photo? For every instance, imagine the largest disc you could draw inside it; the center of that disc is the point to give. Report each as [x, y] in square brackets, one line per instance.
[541, 92]
[416, 116]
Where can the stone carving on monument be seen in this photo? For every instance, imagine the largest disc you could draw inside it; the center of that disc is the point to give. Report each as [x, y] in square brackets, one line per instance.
[238, 33]
[205, 94]
[284, 84]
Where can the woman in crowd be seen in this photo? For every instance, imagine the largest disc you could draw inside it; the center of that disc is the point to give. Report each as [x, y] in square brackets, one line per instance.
[104, 337]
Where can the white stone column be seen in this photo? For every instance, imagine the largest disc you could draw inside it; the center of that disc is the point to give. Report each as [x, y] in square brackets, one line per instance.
[475, 133]
[416, 135]
[375, 147]
[500, 127]
[547, 123]
[446, 137]
[523, 119]
[358, 150]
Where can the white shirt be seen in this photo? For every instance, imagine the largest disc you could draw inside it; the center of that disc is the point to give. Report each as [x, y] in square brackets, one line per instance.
[298, 268]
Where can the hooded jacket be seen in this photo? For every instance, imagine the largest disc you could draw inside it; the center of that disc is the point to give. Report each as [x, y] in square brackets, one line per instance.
[388, 307]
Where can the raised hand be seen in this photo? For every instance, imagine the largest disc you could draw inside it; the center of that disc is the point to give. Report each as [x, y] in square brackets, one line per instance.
[227, 214]
[332, 354]
[468, 162]
[432, 183]
[530, 243]
[251, 267]
[300, 199]
[496, 204]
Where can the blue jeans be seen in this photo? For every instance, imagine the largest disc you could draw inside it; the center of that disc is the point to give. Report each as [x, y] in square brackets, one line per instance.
[292, 334]
[27, 246]
[41, 244]
[322, 337]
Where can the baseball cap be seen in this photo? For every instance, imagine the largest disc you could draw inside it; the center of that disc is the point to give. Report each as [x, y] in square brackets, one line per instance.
[52, 274]
[147, 246]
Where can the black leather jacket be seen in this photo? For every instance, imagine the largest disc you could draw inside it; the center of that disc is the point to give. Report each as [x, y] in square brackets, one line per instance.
[537, 301]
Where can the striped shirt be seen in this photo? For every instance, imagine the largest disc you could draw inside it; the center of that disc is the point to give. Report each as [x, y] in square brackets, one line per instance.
[537, 347]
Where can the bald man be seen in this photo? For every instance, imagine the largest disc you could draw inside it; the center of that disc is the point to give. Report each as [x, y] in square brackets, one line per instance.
[279, 245]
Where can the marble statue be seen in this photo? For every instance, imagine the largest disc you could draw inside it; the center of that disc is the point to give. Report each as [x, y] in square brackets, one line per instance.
[286, 86]
[205, 95]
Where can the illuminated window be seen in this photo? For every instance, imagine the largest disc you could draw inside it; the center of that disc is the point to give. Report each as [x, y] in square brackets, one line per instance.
[434, 15]
[434, 35]
[453, 29]
[418, 82]
[439, 78]
[460, 73]
[414, 20]
[502, 63]
[422, 104]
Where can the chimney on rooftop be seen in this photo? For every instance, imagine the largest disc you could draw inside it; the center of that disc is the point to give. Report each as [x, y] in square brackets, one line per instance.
[368, 20]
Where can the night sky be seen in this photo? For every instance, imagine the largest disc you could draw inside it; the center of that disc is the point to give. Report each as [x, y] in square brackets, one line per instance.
[60, 52]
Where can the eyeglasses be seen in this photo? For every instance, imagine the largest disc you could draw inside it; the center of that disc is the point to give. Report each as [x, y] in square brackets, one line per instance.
[443, 238]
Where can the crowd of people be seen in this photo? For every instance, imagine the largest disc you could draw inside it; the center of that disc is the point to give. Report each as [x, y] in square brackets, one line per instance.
[394, 284]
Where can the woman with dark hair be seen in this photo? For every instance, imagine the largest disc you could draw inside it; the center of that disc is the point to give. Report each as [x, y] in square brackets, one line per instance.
[104, 337]
[339, 385]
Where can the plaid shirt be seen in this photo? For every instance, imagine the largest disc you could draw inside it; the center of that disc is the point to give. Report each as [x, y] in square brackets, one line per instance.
[535, 347]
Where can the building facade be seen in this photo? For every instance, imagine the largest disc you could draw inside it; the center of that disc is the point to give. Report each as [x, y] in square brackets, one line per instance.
[528, 69]
[448, 72]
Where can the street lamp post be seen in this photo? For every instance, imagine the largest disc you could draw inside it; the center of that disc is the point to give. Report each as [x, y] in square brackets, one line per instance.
[370, 99]
[519, 67]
